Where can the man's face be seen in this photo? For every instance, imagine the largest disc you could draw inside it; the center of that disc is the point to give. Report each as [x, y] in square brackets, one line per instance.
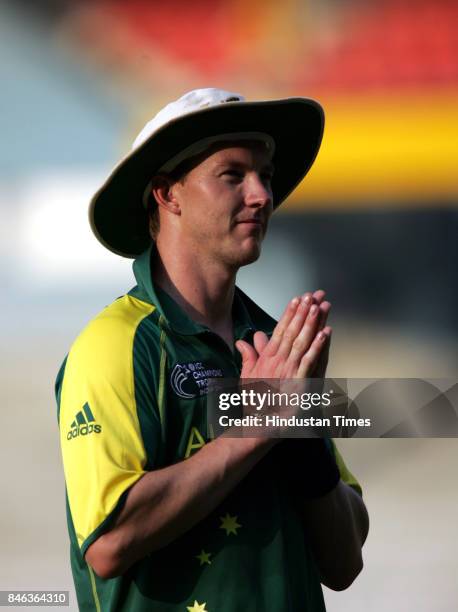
[226, 203]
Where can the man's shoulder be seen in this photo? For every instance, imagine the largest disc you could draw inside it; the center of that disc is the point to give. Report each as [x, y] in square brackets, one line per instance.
[260, 318]
[117, 328]
[115, 352]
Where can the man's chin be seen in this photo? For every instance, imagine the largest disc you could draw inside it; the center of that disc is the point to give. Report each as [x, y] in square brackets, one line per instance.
[240, 253]
[248, 256]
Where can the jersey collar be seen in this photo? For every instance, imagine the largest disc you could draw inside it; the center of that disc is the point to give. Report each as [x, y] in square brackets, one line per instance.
[173, 316]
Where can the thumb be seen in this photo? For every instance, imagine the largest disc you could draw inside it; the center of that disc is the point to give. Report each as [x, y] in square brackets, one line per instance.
[260, 341]
[249, 356]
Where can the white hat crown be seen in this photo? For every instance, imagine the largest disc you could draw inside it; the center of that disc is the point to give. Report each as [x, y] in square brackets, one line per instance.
[190, 102]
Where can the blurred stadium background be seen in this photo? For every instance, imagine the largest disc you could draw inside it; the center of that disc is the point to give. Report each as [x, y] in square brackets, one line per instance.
[375, 224]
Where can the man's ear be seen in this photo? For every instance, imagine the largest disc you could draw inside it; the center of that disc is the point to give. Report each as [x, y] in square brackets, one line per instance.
[163, 192]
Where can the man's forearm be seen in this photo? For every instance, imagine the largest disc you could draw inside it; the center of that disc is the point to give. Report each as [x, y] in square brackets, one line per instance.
[337, 525]
[167, 502]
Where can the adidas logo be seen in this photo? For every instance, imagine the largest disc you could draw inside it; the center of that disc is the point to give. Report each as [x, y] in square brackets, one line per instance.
[84, 424]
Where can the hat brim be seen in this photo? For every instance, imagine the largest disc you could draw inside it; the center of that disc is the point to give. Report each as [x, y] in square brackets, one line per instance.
[117, 215]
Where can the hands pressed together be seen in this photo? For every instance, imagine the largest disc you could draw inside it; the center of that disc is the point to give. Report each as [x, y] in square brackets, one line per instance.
[299, 346]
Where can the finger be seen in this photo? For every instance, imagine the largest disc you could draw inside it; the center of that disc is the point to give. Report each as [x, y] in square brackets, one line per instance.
[318, 296]
[294, 328]
[310, 358]
[307, 294]
[325, 307]
[305, 337]
[282, 324]
[249, 357]
[260, 341]
[322, 362]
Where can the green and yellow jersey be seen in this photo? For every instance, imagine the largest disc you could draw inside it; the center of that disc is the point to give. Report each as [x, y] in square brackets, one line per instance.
[132, 398]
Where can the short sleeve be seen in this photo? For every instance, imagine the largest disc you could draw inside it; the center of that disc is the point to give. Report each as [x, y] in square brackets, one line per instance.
[108, 417]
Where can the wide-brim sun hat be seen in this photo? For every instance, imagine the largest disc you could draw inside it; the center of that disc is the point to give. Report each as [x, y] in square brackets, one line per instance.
[291, 127]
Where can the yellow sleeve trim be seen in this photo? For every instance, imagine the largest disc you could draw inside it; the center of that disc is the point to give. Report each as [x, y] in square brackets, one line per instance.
[102, 447]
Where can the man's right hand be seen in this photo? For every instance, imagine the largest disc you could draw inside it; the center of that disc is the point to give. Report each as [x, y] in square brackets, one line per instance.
[295, 346]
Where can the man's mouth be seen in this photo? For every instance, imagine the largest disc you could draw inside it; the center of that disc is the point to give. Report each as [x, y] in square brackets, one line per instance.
[251, 221]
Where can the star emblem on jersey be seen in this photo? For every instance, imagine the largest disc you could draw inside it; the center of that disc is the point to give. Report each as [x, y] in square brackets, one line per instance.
[197, 607]
[204, 557]
[229, 524]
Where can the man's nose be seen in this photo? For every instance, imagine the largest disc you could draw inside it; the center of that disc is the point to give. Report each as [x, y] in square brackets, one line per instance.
[258, 192]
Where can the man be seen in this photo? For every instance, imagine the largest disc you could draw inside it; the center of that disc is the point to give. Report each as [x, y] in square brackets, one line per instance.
[160, 516]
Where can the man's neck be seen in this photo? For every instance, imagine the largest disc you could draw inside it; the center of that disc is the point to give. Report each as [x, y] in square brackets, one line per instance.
[204, 290]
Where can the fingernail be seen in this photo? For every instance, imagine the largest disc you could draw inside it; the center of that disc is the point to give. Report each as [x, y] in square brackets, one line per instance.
[295, 301]
[313, 309]
[321, 336]
[307, 299]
